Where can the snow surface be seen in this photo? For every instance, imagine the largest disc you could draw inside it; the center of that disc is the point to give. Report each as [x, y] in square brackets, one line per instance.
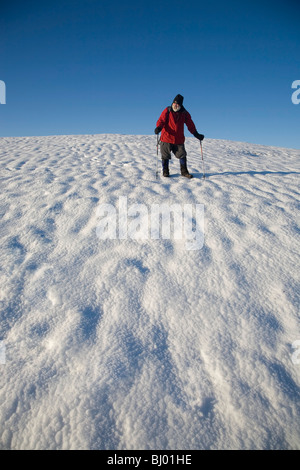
[142, 344]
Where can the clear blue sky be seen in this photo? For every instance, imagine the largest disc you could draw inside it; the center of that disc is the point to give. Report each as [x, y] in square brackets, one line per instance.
[93, 66]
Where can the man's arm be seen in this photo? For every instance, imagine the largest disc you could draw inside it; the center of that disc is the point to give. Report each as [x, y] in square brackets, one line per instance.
[192, 128]
[161, 121]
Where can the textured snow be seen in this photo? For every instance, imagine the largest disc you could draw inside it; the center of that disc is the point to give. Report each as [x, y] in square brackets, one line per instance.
[142, 344]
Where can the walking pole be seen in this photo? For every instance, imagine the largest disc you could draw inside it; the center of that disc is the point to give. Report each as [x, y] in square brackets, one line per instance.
[202, 159]
[157, 144]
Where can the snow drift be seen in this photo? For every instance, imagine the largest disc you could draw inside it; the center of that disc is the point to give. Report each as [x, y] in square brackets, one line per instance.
[142, 344]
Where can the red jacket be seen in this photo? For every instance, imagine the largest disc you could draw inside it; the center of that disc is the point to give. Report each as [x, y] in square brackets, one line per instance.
[172, 125]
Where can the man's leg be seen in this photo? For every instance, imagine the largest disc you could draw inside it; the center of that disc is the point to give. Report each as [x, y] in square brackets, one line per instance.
[165, 150]
[181, 154]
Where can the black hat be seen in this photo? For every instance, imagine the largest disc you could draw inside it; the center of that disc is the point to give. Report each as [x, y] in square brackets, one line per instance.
[178, 99]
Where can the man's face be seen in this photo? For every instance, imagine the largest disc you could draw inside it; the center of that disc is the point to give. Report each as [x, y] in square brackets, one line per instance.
[175, 106]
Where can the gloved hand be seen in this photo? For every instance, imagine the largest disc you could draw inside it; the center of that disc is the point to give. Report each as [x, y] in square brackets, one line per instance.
[198, 136]
[157, 130]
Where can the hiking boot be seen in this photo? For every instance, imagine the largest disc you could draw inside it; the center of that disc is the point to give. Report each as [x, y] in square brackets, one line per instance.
[165, 166]
[184, 171]
[183, 168]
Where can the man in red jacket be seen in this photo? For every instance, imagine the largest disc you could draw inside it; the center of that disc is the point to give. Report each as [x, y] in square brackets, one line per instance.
[171, 124]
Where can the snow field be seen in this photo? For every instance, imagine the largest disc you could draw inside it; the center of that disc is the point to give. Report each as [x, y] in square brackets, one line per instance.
[141, 344]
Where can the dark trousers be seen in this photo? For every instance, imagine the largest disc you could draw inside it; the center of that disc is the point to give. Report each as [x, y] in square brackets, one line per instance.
[166, 149]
